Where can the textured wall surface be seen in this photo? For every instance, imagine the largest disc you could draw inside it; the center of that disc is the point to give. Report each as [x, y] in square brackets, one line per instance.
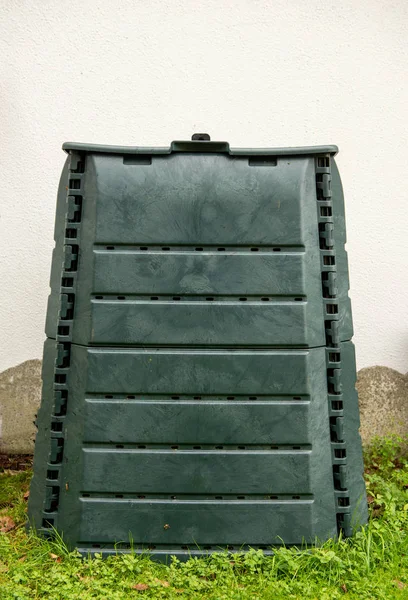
[253, 72]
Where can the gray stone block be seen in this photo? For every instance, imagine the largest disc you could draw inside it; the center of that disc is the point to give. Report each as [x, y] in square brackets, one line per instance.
[383, 398]
[20, 395]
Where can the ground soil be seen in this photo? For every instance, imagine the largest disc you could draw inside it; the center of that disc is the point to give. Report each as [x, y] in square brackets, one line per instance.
[15, 462]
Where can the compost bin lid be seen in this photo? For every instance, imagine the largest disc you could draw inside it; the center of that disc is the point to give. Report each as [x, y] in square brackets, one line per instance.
[201, 146]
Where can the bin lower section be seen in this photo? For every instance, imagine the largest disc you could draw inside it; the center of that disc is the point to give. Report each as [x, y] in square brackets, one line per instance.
[177, 451]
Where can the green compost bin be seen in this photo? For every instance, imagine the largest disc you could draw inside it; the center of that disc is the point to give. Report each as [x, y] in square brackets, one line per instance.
[198, 373]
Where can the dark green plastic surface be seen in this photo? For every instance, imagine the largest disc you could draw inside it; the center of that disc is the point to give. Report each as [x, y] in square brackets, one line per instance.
[198, 373]
[223, 239]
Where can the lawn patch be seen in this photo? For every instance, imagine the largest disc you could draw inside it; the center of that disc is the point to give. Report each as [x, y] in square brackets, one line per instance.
[371, 565]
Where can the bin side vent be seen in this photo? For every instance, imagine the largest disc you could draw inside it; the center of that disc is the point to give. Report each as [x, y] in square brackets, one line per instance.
[333, 353]
[66, 308]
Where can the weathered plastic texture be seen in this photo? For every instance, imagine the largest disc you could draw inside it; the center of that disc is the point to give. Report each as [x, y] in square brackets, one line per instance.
[199, 250]
[199, 375]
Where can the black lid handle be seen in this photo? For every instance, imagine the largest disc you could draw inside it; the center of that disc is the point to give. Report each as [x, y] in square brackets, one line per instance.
[202, 137]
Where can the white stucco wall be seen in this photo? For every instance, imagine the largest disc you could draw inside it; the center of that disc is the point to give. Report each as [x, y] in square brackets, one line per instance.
[255, 73]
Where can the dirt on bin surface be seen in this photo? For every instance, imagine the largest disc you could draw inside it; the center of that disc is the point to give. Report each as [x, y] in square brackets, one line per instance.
[15, 462]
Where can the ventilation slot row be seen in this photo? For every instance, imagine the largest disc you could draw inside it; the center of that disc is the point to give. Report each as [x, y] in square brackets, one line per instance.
[63, 347]
[333, 354]
[205, 447]
[229, 299]
[112, 247]
[199, 497]
[210, 398]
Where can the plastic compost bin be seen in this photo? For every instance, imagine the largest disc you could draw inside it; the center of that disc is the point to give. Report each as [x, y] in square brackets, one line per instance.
[198, 374]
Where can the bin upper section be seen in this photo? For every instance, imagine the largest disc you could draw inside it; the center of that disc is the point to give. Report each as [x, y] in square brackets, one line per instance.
[199, 245]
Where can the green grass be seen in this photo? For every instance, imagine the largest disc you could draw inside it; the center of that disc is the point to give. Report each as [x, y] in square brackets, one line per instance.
[372, 565]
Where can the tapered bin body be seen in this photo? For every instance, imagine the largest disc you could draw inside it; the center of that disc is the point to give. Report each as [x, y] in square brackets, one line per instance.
[198, 374]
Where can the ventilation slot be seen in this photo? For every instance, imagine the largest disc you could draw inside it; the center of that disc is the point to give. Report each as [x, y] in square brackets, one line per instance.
[263, 161]
[137, 159]
[48, 523]
[63, 330]
[329, 260]
[332, 309]
[323, 161]
[326, 211]
[340, 453]
[67, 282]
